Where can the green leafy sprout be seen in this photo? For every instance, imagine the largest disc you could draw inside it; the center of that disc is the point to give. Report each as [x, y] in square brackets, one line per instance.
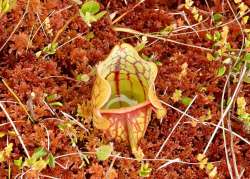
[90, 12]
[145, 170]
[39, 160]
[6, 6]
[103, 152]
[50, 49]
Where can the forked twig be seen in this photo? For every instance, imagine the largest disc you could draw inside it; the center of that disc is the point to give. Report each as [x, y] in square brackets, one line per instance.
[227, 108]
[206, 123]
[175, 126]
[16, 27]
[15, 129]
[18, 100]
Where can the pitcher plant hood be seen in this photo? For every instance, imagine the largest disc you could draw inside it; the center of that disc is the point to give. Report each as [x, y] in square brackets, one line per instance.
[124, 96]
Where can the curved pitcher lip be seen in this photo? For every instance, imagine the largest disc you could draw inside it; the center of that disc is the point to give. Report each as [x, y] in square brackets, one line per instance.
[125, 109]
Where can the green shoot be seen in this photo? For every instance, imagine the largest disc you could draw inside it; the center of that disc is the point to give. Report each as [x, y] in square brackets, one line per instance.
[176, 95]
[145, 170]
[90, 12]
[217, 17]
[19, 162]
[103, 152]
[50, 49]
[6, 6]
[221, 71]
[69, 130]
[83, 77]
[186, 100]
[242, 113]
[5, 153]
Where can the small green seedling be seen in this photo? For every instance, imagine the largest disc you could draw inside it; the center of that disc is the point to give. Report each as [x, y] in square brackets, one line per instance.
[90, 12]
[39, 160]
[56, 104]
[221, 71]
[6, 5]
[69, 130]
[82, 77]
[89, 36]
[177, 95]
[51, 99]
[51, 160]
[247, 57]
[167, 30]
[242, 113]
[186, 100]
[145, 170]
[103, 152]
[50, 49]
[210, 169]
[5, 153]
[217, 17]
[19, 162]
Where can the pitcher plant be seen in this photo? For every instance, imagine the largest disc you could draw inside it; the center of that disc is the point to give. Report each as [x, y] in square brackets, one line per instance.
[124, 96]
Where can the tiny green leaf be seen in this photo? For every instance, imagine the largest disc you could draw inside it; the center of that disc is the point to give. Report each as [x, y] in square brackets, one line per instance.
[90, 6]
[145, 170]
[56, 104]
[38, 153]
[167, 30]
[158, 63]
[176, 95]
[51, 48]
[39, 165]
[140, 46]
[210, 57]
[147, 58]
[51, 161]
[19, 162]
[246, 79]
[247, 57]
[186, 101]
[89, 12]
[100, 15]
[217, 17]
[209, 36]
[245, 19]
[52, 97]
[221, 71]
[5, 6]
[241, 105]
[8, 149]
[245, 116]
[217, 36]
[103, 152]
[83, 77]
[89, 36]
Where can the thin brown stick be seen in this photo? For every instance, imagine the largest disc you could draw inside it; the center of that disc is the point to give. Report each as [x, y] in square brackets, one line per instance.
[18, 100]
[18, 24]
[125, 13]
[15, 129]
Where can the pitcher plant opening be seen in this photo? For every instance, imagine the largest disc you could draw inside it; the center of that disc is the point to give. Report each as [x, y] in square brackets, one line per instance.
[124, 96]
